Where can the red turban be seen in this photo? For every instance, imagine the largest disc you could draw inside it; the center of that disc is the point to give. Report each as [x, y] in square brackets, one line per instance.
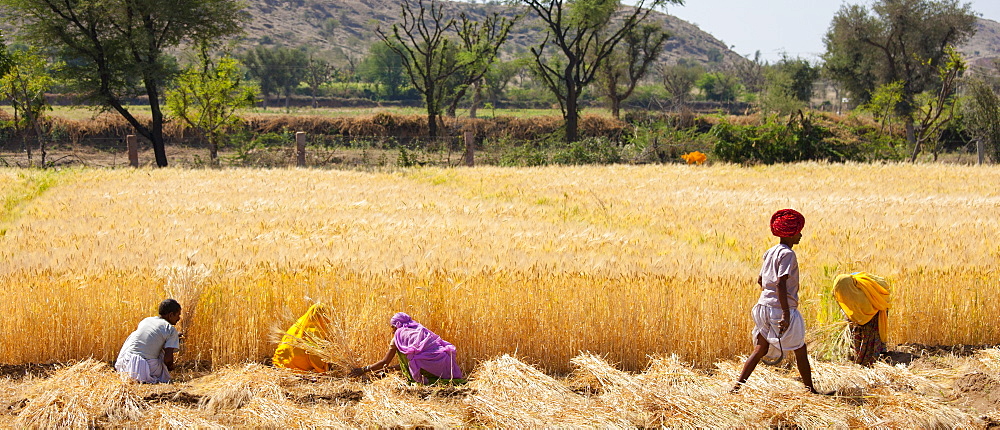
[787, 223]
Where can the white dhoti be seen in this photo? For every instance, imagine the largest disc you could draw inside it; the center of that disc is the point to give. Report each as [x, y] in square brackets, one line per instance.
[147, 371]
[766, 319]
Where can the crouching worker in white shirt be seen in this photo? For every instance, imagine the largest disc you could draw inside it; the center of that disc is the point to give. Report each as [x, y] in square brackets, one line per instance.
[148, 354]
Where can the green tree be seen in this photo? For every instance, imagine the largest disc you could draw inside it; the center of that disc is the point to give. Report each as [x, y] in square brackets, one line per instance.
[750, 72]
[25, 81]
[981, 113]
[882, 104]
[719, 86]
[429, 55]
[318, 72]
[278, 69]
[480, 42]
[384, 67]
[625, 67]
[788, 85]
[115, 49]
[578, 41]
[4, 56]
[800, 77]
[498, 78]
[679, 79]
[208, 95]
[895, 41]
[936, 109]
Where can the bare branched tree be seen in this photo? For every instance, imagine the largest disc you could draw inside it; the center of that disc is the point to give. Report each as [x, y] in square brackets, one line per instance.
[430, 57]
[622, 71]
[577, 42]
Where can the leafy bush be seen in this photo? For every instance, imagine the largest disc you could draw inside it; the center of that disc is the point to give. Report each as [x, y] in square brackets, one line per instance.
[800, 139]
[263, 150]
[591, 150]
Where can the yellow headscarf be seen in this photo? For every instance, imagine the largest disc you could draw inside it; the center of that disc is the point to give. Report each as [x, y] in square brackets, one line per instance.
[311, 325]
[862, 295]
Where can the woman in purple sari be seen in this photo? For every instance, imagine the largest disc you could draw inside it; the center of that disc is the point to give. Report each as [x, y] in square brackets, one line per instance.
[424, 356]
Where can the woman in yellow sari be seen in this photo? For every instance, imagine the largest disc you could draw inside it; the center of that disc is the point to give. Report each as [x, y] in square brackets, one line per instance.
[864, 299]
[312, 325]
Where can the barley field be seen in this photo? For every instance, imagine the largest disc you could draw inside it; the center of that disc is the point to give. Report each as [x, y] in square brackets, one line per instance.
[630, 270]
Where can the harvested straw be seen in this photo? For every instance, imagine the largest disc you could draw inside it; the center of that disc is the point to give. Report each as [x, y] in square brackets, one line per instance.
[234, 387]
[269, 413]
[387, 405]
[185, 284]
[178, 417]
[510, 393]
[990, 358]
[685, 397]
[84, 395]
[337, 341]
[830, 342]
[616, 388]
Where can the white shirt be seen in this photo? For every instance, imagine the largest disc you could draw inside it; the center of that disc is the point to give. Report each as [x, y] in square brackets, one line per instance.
[779, 261]
[150, 338]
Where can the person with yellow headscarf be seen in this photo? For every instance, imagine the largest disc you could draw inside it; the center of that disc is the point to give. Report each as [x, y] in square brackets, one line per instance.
[864, 298]
[312, 325]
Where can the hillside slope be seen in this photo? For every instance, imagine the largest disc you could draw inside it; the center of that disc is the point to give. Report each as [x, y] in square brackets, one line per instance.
[984, 48]
[347, 28]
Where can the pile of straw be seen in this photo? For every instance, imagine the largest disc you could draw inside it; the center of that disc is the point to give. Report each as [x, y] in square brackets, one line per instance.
[177, 417]
[235, 387]
[84, 395]
[506, 392]
[387, 404]
[510, 393]
[337, 342]
[990, 359]
[254, 395]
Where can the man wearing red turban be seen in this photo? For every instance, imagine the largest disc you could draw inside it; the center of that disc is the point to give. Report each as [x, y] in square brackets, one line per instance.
[778, 325]
[787, 223]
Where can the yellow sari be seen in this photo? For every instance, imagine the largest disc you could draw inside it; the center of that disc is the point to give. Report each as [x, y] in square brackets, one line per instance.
[311, 325]
[862, 295]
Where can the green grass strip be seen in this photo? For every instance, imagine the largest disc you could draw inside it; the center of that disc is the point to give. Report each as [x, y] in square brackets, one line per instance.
[27, 185]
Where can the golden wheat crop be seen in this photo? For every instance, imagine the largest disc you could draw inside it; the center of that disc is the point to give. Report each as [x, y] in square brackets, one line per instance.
[622, 261]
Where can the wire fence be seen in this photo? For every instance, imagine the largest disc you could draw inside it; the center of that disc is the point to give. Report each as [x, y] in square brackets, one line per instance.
[282, 149]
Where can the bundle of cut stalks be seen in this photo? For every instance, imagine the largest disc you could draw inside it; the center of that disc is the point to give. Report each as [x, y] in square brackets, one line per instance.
[249, 396]
[252, 395]
[685, 397]
[185, 284]
[235, 387]
[884, 395]
[990, 358]
[84, 395]
[336, 342]
[386, 404]
[510, 393]
[830, 342]
[178, 417]
[615, 388]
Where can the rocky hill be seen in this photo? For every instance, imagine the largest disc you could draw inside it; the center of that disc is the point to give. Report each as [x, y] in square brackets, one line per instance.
[342, 30]
[346, 28]
[984, 48]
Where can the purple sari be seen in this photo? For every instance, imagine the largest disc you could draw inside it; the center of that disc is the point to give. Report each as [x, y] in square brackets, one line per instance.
[424, 350]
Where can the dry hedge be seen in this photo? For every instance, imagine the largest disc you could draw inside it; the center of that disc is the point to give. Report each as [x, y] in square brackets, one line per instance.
[112, 126]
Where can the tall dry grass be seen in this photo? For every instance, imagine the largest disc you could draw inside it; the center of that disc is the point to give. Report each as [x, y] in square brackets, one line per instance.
[547, 262]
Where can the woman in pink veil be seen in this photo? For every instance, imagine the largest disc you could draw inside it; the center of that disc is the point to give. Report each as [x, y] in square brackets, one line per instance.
[424, 356]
